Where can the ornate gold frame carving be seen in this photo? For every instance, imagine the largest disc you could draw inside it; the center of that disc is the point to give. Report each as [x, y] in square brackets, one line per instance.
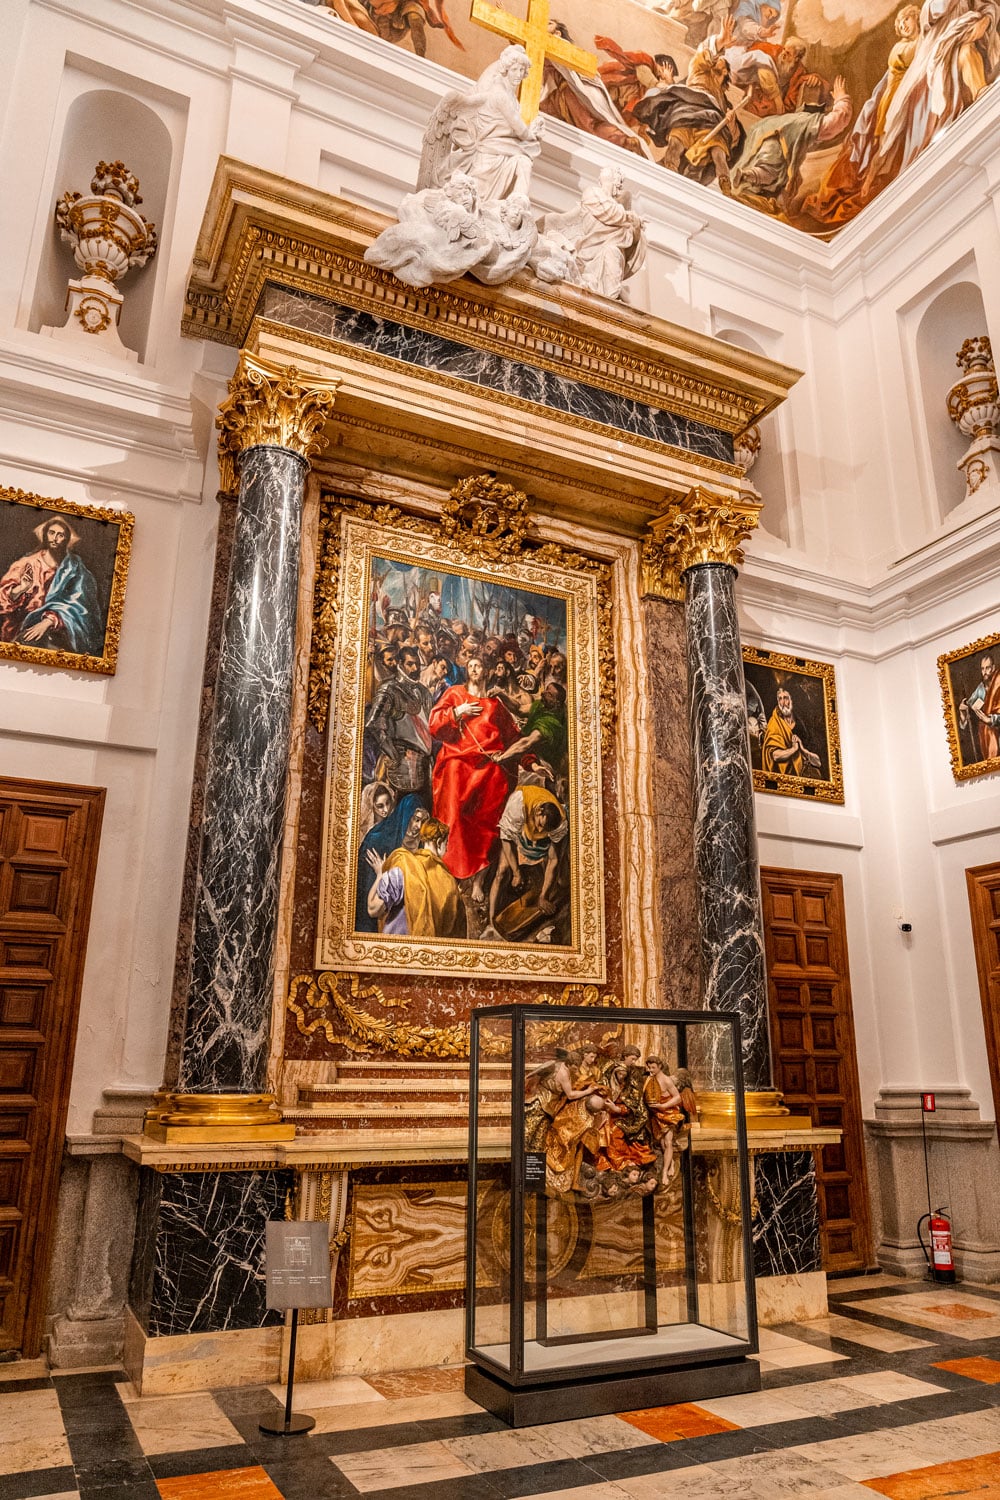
[463, 542]
[816, 788]
[960, 770]
[360, 1031]
[106, 664]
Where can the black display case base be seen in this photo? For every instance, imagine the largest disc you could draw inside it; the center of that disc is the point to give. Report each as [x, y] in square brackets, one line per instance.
[531, 1406]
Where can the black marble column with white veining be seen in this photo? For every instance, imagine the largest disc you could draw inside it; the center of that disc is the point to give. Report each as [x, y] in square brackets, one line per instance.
[227, 1023]
[729, 910]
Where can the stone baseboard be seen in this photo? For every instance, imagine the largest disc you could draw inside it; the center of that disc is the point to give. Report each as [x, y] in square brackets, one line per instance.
[75, 1344]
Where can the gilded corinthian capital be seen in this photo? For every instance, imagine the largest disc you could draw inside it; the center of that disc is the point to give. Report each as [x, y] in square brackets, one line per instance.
[701, 528]
[271, 405]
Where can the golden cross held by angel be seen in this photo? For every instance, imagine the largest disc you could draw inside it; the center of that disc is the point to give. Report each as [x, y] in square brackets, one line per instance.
[539, 41]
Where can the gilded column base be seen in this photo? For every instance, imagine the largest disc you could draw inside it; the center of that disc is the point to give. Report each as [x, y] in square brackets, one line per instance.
[203, 1118]
[765, 1111]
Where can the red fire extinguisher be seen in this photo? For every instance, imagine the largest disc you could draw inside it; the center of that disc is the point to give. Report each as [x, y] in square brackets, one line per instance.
[940, 1260]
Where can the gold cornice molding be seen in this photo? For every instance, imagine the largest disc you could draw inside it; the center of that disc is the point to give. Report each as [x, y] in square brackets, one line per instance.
[271, 405]
[702, 528]
[259, 227]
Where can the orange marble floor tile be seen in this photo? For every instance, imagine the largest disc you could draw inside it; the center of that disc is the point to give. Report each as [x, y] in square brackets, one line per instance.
[670, 1423]
[976, 1368]
[959, 1312]
[979, 1477]
[397, 1384]
[223, 1484]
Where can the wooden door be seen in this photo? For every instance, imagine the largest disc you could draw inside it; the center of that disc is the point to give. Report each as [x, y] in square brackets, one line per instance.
[984, 901]
[48, 853]
[812, 1040]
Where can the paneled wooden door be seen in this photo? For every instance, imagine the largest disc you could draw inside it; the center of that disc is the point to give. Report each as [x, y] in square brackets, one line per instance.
[48, 853]
[984, 902]
[812, 1039]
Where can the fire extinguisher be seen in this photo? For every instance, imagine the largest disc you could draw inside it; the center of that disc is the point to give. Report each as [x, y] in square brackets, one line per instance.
[940, 1260]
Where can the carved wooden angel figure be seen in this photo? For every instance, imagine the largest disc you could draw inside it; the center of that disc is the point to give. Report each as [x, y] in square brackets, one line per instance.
[607, 238]
[482, 133]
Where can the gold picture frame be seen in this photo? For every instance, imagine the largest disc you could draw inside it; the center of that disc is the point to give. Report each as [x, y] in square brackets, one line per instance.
[62, 592]
[373, 559]
[968, 691]
[805, 738]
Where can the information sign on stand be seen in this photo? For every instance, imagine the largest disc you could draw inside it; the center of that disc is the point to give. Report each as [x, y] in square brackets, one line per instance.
[298, 1275]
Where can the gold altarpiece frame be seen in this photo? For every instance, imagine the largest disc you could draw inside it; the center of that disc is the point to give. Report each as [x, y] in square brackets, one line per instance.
[482, 547]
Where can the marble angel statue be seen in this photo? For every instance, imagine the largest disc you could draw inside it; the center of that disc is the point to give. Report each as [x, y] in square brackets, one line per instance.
[440, 235]
[482, 133]
[602, 235]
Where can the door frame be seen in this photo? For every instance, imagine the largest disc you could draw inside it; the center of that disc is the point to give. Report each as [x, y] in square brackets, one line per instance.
[991, 1012]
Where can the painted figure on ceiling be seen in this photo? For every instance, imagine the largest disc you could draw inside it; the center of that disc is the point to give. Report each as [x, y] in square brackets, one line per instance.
[848, 185]
[629, 76]
[768, 174]
[584, 102]
[694, 123]
[405, 22]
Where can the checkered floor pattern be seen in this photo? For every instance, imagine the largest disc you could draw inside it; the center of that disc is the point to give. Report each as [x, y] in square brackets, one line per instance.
[895, 1393]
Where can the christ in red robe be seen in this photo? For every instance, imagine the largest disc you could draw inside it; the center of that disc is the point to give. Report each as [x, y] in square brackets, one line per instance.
[469, 789]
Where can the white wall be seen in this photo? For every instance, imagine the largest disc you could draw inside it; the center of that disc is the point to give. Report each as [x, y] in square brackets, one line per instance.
[865, 563]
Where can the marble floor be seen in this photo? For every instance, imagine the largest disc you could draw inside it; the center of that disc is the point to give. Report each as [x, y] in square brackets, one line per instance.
[895, 1393]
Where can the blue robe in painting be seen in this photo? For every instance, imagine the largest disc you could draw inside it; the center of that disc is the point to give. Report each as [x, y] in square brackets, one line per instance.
[72, 598]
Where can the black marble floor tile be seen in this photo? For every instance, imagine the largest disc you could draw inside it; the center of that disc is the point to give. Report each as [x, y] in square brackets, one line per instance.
[361, 1440]
[466, 1425]
[717, 1446]
[39, 1482]
[36, 1383]
[540, 1479]
[311, 1479]
[629, 1463]
[818, 1429]
[91, 1477]
[135, 1490]
[98, 1445]
[201, 1461]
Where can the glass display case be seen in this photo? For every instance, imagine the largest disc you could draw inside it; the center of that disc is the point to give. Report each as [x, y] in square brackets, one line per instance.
[609, 1253]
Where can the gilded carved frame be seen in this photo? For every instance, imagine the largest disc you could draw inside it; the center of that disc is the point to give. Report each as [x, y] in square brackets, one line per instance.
[451, 546]
[774, 670]
[106, 662]
[955, 689]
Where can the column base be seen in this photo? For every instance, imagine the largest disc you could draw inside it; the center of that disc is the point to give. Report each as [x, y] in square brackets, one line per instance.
[765, 1111]
[221, 1118]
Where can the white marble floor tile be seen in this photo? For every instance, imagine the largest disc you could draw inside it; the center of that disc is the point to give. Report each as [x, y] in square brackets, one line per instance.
[391, 1468]
[180, 1424]
[929, 1310]
[821, 1398]
[699, 1482]
[890, 1385]
[598, 1435]
[28, 1454]
[870, 1455]
[886, 1340]
[802, 1354]
[30, 1414]
[25, 1369]
[346, 1390]
[958, 1437]
[484, 1452]
[389, 1413]
[774, 1476]
[606, 1491]
[755, 1409]
[862, 1283]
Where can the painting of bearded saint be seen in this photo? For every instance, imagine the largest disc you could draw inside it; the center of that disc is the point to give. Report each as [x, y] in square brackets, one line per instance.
[62, 576]
[792, 719]
[466, 793]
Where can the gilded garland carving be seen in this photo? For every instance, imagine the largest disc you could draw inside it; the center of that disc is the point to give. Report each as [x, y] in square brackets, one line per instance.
[702, 528]
[484, 517]
[271, 405]
[343, 1022]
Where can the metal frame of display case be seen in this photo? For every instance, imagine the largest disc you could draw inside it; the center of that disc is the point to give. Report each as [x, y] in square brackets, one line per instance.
[524, 1397]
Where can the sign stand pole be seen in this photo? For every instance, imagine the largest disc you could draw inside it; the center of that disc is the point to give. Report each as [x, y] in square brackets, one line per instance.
[294, 1422]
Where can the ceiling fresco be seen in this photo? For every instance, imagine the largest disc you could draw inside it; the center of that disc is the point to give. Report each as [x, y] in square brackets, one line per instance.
[804, 109]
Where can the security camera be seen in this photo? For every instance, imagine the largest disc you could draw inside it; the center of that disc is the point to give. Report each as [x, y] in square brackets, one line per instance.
[905, 926]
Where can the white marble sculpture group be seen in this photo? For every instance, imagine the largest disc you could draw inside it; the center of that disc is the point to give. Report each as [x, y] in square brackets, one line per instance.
[471, 213]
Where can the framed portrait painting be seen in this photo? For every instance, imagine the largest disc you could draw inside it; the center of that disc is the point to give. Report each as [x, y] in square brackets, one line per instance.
[970, 693]
[463, 814]
[62, 581]
[794, 734]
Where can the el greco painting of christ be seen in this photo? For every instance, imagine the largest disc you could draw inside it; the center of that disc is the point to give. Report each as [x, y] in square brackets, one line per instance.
[463, 814]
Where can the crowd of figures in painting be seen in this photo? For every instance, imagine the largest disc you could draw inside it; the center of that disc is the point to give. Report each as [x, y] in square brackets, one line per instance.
[805, 109]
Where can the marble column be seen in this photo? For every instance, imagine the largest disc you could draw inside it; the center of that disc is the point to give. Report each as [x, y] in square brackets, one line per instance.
[697, 542]
[269, 429]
